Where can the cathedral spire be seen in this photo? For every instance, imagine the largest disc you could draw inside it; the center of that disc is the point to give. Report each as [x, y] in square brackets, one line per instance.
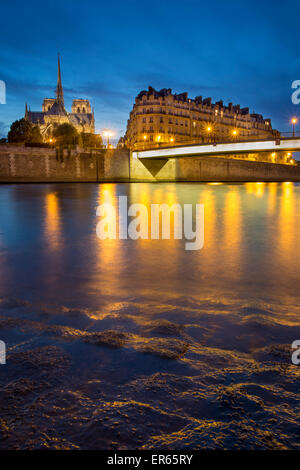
[59, 89]
[26, 111]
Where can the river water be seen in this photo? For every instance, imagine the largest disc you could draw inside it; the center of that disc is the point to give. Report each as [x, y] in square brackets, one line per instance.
[125, 344]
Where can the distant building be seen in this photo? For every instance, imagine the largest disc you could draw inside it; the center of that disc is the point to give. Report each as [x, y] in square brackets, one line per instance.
[163, 117]
[54, 113]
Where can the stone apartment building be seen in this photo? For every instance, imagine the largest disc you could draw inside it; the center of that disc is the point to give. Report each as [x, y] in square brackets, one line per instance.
[161, 117]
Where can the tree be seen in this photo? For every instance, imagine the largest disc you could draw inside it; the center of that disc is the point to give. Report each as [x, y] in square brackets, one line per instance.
[65, 135]
[89, 140]
[24, 131]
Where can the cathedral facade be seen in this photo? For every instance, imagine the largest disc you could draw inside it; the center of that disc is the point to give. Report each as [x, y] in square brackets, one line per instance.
[54, 113]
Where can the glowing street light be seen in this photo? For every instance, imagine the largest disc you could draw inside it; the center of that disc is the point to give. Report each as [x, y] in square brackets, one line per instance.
[172, 139]
[234, 133]
[294, 121]
[144, 138]
[108, 134]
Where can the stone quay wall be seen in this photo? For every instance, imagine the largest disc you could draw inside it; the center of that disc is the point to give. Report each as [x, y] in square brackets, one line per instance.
[214, 169]
[30, 164]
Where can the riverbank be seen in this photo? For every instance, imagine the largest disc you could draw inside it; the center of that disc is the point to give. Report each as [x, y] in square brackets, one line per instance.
[24, 164]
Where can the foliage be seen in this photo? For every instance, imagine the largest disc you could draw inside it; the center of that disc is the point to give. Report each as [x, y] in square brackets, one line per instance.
[65, 135]
[24, 131]
[88, 140]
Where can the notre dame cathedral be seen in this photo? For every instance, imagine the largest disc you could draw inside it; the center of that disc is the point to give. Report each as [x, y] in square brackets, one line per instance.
[54, 113]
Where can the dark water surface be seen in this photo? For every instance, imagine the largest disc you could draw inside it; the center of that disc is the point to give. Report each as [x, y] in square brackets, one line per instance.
[141, 344]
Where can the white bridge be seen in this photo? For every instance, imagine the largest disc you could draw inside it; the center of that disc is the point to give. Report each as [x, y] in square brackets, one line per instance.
[291, 144]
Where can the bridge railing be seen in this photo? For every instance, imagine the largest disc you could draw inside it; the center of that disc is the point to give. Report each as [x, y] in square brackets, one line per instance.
[290, 135]
[140, 146]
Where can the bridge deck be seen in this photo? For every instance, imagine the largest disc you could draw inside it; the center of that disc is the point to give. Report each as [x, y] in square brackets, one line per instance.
[286, 144]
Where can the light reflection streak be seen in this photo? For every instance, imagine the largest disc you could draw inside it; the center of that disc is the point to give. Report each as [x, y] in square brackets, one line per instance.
[53, 222]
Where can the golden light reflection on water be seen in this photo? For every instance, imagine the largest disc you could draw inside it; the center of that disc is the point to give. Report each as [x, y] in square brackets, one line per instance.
[52, 222]
[155, 260]
[108, 250]
[238, 219]
[232, 230]
[272, 197]
[287, 242]
[207, 198]
[250, 239]
[256, 188]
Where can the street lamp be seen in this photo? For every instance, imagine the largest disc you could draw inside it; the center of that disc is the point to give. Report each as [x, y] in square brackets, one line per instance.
[209, 130]
[145, 138]
[108, 134]
[294, 121]
[234, 133]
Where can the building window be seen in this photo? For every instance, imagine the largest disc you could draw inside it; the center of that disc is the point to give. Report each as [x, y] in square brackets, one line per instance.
[78, 110]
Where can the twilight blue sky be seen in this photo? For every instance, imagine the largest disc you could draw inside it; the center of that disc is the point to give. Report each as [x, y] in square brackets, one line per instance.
[245, 52]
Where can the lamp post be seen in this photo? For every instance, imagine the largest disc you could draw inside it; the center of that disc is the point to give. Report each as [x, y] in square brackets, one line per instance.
[234, 133]
[108, 134]
[294, 121]
[209, 129]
